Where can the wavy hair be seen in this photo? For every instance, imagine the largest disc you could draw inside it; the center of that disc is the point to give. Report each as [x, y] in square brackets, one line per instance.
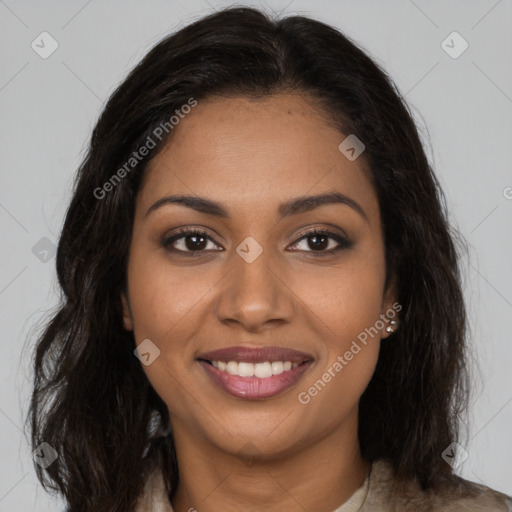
[91, 400]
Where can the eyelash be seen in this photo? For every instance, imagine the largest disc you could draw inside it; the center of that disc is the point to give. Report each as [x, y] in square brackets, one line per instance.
[343, 243]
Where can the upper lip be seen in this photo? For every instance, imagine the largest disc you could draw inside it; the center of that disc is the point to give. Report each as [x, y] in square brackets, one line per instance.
[255, 355]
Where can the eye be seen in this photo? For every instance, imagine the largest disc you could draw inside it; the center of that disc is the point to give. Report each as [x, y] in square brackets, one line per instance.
[321, 240]
[190, 241]
[196, 241]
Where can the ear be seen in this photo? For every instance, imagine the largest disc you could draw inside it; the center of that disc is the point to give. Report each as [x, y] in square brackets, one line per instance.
[127, 314]
[390, 311]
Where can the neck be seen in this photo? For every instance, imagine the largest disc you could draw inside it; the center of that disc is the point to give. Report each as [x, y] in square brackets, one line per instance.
[320, 476]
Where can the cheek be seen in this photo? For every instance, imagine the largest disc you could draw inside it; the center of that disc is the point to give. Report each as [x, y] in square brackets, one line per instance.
[163, 295]
[162, 301]
[345, 299]
[167, 303]
[346, 304]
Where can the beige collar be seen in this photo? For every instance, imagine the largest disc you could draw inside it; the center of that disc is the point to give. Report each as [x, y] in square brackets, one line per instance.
[375, 495]
[155, 498]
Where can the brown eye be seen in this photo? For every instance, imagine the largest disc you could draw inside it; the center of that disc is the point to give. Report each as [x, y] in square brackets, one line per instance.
[324, 242]
[318, 242]
[190, 240]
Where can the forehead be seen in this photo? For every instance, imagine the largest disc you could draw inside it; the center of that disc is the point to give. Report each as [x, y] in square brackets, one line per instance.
[253, 154]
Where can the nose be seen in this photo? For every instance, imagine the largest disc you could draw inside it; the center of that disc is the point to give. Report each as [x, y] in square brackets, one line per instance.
[254, 294]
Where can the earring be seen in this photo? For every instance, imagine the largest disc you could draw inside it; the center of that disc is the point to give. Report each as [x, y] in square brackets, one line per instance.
[389, 328]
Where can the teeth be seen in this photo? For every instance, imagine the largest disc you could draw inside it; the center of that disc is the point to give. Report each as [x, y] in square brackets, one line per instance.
[232, 368]
[260, 370]
[277, 367]
[246, 369]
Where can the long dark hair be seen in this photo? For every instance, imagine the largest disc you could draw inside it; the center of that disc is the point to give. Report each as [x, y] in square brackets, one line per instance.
[91, 399]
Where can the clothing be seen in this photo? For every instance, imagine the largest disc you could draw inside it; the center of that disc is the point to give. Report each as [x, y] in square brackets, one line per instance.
[375, 495]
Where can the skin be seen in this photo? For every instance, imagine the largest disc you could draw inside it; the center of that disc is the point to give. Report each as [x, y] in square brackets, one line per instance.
[251, 155]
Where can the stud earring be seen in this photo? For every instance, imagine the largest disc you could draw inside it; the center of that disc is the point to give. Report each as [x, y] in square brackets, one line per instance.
[389, 328]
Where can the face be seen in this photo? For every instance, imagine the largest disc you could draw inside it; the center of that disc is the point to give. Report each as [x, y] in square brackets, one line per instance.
[257, 275]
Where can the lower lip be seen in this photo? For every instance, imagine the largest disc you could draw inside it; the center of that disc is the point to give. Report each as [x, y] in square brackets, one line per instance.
[254, 388]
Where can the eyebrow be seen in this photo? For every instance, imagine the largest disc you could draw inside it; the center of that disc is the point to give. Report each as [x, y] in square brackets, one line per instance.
[292, 207]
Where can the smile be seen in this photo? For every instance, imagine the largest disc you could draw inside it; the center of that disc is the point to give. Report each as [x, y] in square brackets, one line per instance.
[260, 370]
[255, 374]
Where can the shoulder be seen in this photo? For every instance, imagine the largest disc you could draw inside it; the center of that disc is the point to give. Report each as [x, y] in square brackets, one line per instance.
[456, 495]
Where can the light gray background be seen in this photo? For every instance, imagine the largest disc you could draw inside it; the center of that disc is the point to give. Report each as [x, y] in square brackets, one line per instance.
[49, 106]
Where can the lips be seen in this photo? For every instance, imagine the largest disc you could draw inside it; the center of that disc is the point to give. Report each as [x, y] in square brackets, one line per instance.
[256, 355]
[221, 367]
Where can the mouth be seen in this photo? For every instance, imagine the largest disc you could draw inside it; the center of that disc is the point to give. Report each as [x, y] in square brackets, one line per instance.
[255, 374]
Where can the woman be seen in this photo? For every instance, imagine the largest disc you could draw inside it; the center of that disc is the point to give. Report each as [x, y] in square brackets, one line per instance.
[262, 307]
